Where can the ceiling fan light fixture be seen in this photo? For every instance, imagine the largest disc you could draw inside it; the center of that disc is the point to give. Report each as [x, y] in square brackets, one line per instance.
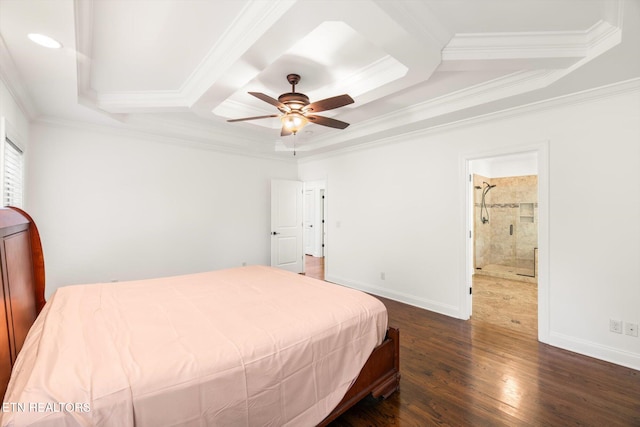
[296, 110]
[294, 121]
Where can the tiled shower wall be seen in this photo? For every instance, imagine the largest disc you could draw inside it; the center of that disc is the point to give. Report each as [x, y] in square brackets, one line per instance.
[512, 205]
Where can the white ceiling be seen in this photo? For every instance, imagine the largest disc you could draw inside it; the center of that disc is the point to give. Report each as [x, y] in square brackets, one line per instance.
[178, 69]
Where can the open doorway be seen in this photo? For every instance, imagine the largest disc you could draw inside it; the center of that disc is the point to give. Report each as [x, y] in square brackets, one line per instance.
[504, 222]
[315, 209]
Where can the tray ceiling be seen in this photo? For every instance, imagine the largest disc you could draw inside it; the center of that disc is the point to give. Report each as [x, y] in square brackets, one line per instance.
[178, 69]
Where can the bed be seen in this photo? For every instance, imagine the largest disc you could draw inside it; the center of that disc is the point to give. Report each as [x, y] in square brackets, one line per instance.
[245, 346]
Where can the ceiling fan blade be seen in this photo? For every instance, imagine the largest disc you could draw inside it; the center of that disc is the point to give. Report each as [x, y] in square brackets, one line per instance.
[252, 118]
[270, 100]
[329, 103]
[285, 132]
[326, 121]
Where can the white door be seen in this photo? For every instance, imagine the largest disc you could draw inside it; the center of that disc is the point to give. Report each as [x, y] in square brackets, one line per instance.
[309, 221]
[323, 215]
[286, 225]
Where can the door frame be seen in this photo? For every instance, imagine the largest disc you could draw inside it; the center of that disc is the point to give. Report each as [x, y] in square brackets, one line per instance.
[309, 218]
[319, 213]
[321, 184]
[542, 150]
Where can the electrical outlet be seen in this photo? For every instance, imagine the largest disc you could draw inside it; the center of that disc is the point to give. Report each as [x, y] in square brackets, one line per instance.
[615, 326]
[382, 276]
[631, 329]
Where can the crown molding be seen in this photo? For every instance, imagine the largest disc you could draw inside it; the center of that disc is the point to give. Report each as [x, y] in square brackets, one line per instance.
[183, 134]
[492, 90]
[585, 96]
[186, 134]
[614, 12]
[257, 17]
[371, 77]
[11, 77]
[547, 44]
[251, 23]
[601, 37]
[142, 102]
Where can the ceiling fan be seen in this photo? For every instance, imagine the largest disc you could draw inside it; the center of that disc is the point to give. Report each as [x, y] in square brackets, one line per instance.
[296, 111]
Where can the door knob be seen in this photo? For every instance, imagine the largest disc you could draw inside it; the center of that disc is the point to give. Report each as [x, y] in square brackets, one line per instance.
[274, 233]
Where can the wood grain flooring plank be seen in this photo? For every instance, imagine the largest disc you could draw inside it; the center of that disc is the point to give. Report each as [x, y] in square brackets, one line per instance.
[492, 371]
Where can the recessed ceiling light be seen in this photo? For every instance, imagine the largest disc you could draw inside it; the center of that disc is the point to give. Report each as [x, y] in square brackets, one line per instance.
[45, 41]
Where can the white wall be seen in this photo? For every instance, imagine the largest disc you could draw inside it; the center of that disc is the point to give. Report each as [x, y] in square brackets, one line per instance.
[399, 209]
[15, 123]
[12, 113]
[507, 165]
[113, 207]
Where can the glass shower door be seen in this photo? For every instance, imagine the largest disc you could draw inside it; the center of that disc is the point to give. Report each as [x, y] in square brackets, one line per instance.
[526, 239]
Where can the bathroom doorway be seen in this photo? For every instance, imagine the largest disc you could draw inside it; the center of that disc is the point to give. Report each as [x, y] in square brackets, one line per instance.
[504, 224]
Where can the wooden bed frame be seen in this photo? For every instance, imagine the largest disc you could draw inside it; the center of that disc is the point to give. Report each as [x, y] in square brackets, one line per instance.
[379, 377]
[23, 284]
[22, 266]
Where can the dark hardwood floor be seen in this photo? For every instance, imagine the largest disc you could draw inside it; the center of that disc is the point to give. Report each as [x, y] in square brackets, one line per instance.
[482, 373]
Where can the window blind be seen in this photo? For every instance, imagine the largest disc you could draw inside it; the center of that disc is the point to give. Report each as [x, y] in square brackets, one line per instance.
[13, 175]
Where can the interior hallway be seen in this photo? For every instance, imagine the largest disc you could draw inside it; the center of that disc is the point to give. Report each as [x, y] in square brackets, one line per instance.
[314, 266]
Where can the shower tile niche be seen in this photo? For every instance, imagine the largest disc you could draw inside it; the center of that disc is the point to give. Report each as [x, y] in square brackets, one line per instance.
[526, 212]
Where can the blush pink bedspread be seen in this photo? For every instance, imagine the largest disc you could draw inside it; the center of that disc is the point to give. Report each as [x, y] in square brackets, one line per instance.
[252, 346]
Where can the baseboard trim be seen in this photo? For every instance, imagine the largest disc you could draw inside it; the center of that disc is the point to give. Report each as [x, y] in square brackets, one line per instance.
[426, 304]
[595, 350]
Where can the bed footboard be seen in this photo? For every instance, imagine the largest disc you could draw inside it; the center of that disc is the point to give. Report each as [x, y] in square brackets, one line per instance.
[379, 377]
